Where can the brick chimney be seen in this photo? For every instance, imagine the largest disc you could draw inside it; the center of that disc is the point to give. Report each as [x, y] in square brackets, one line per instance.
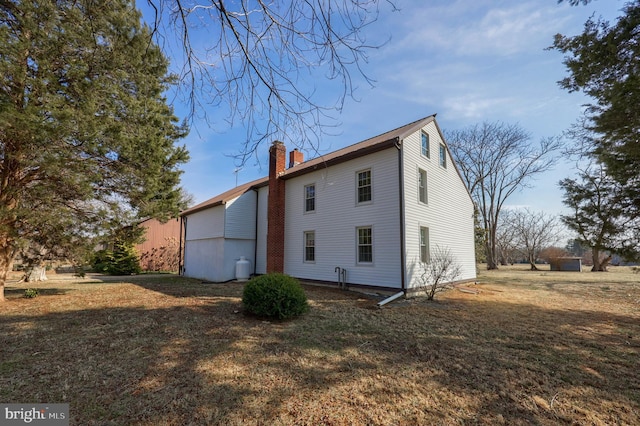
[295, 158]
[275, 208]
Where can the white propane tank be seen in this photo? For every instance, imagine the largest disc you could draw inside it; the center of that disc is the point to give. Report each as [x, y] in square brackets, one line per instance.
[243, 269]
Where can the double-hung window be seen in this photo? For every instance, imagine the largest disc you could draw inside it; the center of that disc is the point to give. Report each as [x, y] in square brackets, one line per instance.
[363, 181]
[422, 186]
[443, 156]
[310, 246]
[365, 244]
[424, 244]
[425, 144]
[309, 198]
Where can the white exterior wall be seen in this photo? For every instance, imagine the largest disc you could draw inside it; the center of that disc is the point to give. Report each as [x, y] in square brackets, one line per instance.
[207, 223]
[217, 237]
[448, 213]
[261, 241]
[240, 218]
[336, 218]
[204, 259]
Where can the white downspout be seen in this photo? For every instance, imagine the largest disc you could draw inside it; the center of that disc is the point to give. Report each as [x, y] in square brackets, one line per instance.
[390, 299]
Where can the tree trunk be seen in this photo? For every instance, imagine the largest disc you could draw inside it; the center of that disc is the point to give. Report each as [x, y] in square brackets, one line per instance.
[37, 273]
[598, 264]
[6, 259]
[491, 255]
[532, 262]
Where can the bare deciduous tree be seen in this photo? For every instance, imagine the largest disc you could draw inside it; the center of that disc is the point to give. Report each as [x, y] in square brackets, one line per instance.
[496, 160]
[535, 231]
[439, 272]
[506, 240]
[260, 60]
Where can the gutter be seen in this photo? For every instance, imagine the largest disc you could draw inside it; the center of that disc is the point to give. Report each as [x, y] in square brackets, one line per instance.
[401, 210]
[183, 233]
[255, 244]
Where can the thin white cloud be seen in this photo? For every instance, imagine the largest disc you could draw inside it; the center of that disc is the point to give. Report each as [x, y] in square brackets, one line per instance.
[474, 106]
[474, 29]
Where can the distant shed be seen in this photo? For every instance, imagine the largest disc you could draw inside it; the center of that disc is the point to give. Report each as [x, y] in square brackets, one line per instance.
[571, 264]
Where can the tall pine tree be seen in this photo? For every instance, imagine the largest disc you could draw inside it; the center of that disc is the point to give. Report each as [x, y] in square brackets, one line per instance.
[85, 130]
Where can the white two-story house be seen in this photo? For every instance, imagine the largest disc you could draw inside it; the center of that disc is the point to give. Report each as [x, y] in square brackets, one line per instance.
[368, 214]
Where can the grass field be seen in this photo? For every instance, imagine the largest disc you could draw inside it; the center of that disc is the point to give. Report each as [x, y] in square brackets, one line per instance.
[529, 348]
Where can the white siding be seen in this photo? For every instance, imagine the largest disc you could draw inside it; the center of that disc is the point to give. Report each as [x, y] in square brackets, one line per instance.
[217, 237]
[336, 218]
[240, 219]
[205, 224]
[448, 213]
[261, 241]
[204, 259]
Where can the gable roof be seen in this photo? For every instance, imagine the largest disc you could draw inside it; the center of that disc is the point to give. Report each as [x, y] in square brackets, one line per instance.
[227, 196]
[368, 146]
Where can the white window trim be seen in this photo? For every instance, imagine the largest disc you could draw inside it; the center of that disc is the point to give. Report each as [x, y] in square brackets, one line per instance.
[315, 198]
[364, 203]
[304, 246]
[358, 262]
[420, 228]
[442, 149]
[428, 154]
[426, 186]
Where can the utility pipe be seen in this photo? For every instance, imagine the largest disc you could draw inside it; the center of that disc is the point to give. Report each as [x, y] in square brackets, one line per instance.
[390, 299]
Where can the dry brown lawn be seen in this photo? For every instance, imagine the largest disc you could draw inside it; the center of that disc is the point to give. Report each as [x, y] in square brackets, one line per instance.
[529, 348]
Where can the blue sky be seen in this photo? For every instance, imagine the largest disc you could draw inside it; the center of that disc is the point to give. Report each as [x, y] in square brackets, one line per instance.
[468, 61]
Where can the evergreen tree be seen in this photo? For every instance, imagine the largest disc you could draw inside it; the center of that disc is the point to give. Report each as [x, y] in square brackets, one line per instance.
[600, 216]
[86, 134]
[604, 63]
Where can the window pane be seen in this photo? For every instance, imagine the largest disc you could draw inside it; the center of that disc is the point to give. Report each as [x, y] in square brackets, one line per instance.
[364, 186]
[309, 246]
[443, 156]
[424, 244]
[310, 204]
[310, 198]
[422, 186]
[310, 254]
[425, 145]
[365, 245]
[365, 254]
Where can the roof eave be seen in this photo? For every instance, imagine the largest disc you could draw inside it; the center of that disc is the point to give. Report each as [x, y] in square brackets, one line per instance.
[302, 169]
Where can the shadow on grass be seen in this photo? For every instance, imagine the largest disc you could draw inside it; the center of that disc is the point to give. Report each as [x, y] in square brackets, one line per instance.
[15, 293]
[204, 362]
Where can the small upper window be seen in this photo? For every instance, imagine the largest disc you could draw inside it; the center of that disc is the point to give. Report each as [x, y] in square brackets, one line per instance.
[364, 186]
[422, 186]
[443, 156]
[310, 198]
[425, 144]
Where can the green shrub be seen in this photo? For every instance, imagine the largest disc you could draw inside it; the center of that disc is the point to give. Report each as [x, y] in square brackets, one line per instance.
[123, 260]
[30, 293]
[274, 295]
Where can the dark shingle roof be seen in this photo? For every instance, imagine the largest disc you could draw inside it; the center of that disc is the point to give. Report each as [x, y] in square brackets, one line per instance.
[368, 146]
[226, 196]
